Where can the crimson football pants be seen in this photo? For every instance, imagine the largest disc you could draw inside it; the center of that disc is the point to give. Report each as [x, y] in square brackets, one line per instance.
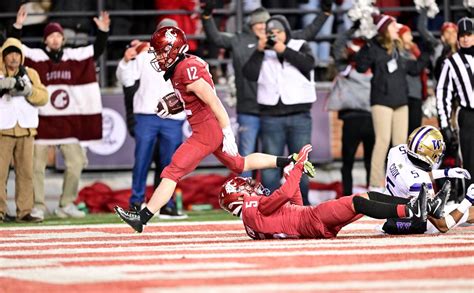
[206, 139]
[335, 214]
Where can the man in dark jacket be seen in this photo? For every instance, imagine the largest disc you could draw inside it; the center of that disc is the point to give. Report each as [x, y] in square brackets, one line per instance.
[243, 45]
[281, 67]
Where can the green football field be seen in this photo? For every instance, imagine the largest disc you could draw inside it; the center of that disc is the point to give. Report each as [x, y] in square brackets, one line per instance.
[109, 218]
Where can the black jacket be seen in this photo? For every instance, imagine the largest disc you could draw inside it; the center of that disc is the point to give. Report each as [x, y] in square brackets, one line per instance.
[303, 60]
[243, 46]
[388, 89]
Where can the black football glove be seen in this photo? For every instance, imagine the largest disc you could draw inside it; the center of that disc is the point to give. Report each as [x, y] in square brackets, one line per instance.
[448, 134]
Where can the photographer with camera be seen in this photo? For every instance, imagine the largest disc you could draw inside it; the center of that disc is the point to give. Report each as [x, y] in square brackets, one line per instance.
[20, 92]
[282, 67]
[242, 45]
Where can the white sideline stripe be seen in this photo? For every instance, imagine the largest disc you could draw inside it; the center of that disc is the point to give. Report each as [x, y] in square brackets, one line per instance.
[8, 261]
[247, 245]
[98, 234]
[126, 241]
[120, 225]
[19, 238]
[363, 222]
[91, 274]
[435, 284]
[15, 263]
[223, 241]
[252, 245]
[107, 273]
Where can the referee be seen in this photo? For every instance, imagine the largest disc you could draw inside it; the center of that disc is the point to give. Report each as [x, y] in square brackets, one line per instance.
[456, 82]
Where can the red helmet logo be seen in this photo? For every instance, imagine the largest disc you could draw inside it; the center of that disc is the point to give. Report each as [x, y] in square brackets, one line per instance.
[167, 43]
[233, 191]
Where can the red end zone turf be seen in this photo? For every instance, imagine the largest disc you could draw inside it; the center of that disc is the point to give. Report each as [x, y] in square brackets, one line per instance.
[200, 257]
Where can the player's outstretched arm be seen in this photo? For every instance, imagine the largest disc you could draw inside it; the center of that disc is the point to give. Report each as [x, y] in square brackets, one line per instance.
[451, 173]
[289, 189]
[206, 93]
[268, 205]
[457, 216]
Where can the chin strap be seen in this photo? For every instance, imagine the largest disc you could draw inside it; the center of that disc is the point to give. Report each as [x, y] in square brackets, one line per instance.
[169, 72]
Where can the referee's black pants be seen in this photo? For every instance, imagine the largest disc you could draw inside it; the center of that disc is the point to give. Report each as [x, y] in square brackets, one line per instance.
[356, 129]
[466, 140]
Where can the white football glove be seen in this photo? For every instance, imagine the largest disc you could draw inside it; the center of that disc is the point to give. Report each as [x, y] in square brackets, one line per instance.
[470, 194]
[228, 145]
[7, 83]
[164, 112]
[452, 173]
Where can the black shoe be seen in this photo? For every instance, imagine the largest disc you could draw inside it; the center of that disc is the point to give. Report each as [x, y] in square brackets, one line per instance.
[136, 206]
[436, 204]
[132, 218]
[9, 219]
[418, 205]
[171, 213]
[29, 219]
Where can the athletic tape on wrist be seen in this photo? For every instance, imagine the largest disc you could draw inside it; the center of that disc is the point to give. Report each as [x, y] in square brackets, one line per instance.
[449, 221]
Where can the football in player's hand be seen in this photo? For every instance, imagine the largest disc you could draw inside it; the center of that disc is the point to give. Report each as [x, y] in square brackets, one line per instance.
[170, 102]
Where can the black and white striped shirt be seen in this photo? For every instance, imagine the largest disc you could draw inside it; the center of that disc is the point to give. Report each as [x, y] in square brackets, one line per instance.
[456, 80]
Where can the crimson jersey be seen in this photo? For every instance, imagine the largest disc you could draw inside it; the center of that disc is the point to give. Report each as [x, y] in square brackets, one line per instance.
[281, 215]
[186, 72]
[207, 136]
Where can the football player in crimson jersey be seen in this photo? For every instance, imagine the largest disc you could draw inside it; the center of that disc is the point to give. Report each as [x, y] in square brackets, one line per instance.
[281, 214]
[211, 129]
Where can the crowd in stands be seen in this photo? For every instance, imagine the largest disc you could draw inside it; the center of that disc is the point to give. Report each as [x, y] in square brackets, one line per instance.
[276, 61]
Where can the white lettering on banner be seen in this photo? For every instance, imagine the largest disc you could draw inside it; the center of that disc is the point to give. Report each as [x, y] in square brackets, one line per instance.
[114, 133]
[58, 74]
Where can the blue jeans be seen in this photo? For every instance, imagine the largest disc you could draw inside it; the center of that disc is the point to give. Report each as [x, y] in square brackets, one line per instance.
[292, 131]
[249, 127]
[148, 130]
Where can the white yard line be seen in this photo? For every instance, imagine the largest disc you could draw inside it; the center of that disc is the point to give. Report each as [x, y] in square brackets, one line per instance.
[6, 262]
[436, 285]
[91, 274]
[98, 234]
[246, 245]
[120, 225]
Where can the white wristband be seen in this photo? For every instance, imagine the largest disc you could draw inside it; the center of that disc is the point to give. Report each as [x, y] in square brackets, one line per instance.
[437, 174]
[449, 221]
[464, 206]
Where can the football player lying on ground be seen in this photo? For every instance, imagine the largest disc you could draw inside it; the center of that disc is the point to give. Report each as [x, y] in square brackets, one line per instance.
[415, 163]
[281, 214]
[210, 124]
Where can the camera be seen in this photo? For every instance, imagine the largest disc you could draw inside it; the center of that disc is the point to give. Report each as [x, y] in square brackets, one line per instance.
[271, 41]
[20, 84]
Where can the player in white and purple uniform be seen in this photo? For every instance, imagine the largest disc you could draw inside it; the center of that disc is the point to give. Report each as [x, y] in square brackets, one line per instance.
[413, 164]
